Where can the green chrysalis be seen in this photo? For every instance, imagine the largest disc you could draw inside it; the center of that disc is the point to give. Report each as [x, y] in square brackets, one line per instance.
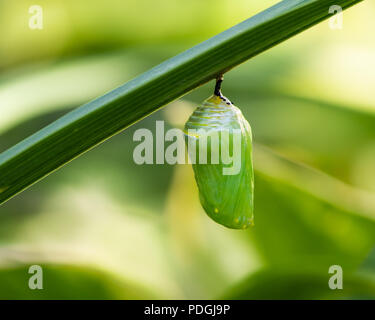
[217, 129]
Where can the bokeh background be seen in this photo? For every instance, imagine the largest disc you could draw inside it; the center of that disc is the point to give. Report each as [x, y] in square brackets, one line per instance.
[103, 227]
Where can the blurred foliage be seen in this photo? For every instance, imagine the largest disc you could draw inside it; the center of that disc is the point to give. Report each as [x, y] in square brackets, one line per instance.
[68, 282]
[104, 227]
[294, 284]
[81, 26]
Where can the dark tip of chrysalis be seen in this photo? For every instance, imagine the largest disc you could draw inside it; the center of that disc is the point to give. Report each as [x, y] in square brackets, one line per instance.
[217, 91]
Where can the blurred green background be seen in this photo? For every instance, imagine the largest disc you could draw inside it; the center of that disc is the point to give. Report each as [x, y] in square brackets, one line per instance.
[103, 227]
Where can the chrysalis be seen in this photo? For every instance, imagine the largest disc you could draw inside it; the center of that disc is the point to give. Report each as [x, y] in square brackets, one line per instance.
[219, 143]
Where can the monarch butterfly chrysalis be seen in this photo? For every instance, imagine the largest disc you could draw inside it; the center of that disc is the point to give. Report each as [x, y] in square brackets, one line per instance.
[227, 198]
